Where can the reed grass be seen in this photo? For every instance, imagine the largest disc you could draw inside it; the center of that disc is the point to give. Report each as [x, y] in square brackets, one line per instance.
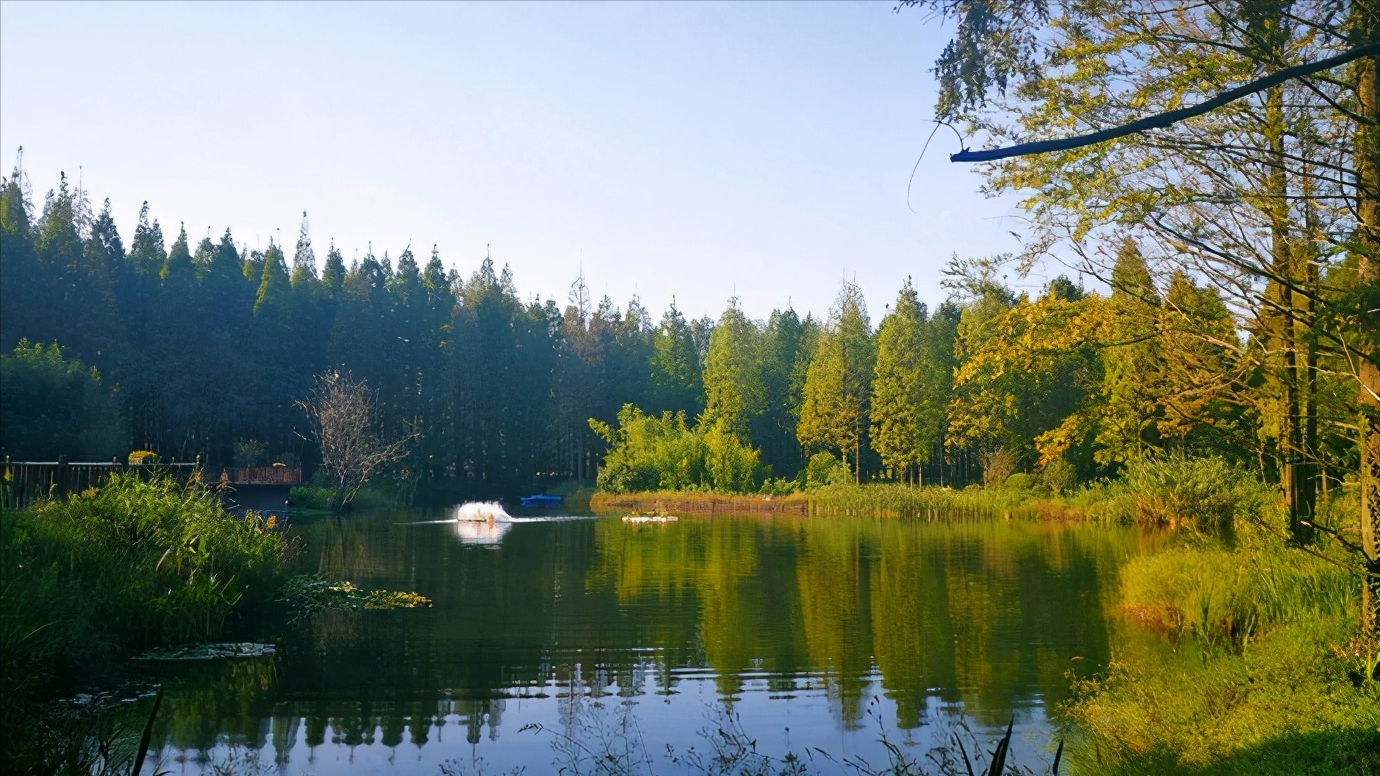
[100, 575]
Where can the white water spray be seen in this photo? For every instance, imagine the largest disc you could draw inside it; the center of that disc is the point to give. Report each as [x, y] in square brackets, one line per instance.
[481, 511]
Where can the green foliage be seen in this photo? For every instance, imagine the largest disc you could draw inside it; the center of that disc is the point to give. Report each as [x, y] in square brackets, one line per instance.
[825, 469]
[1020, 481]
[1223, 597]
[909, 391]
[1260, 672]
[892, 500]
[730, 463]
[250, 452]
[663, 453]
[155, 563]
[1206, 497]
[312, 497]
[675, 367]
[134, 565]
[308, 594]
[1058, 475]
[733, 386]
[55, 406]
[838, 384]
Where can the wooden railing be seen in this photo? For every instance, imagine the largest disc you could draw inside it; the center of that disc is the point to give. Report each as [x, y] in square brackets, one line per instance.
[24, 482]
[266, 475]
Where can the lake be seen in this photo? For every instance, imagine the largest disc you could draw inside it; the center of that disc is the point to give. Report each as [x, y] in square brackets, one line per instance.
[589, 643]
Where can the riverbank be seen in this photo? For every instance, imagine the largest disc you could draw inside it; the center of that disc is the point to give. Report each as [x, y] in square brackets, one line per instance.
[1241, 659]
[92, 579]
[881, 500]
[1235, 652]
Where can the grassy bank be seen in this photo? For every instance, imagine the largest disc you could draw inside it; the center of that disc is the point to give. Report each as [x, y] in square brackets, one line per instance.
[697, 502]
[1234, 660]
[1235, 651]
[102, 575]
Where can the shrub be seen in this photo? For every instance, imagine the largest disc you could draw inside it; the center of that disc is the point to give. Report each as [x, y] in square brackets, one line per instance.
[1021, 481]
[1203, 496]
[997, 465]
[135, 564]
[1222, 596]
[249, 452]
[1059, 475]
[648, 453]
[311, 497]
[824, 469]
[56, 406]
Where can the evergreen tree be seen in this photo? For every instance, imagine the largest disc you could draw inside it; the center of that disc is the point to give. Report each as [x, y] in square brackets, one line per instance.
[146, 252]
[21, 284]
[274, 283]
[900, 431]
[838, 386]
[733, 388]
[303, 258]
[677, 384]
[1130, 388]
[774, 429]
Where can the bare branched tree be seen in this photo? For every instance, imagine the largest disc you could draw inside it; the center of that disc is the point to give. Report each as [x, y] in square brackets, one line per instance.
[341, 411]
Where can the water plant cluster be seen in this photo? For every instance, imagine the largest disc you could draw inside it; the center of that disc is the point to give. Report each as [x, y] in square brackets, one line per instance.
[310, 594]
[113, 571]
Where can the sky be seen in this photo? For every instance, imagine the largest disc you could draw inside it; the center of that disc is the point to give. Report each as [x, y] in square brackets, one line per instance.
[696, 151]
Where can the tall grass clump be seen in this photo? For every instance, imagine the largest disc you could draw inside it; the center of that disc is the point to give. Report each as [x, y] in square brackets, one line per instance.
[1223, 597]
[1238, 656]
[1202, 496]
[134, 564]
[894, 500]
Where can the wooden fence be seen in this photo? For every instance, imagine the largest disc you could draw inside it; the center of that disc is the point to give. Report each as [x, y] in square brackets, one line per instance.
[265, 475]
[24, 482]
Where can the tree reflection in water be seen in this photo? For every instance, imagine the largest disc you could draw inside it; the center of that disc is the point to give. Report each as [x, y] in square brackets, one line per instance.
[790, 622]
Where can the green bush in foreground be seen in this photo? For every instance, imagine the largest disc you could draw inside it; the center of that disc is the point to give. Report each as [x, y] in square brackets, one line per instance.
[100, 575]
[1204, 496]
[132, 565]
[1235, 660]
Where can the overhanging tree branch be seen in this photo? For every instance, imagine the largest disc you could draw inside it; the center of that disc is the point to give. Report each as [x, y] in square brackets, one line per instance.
[1169, 118]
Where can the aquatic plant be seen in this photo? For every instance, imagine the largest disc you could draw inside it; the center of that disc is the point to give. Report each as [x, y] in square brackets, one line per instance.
[309, 594]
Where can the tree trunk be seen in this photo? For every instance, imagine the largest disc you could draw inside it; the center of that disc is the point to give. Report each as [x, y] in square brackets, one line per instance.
[1367, 18]
[1282, 321]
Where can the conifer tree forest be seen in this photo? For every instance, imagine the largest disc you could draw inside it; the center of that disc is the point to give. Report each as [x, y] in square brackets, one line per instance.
[203, 347]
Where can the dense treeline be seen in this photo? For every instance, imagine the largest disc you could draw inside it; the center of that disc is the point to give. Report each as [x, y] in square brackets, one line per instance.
[207, 347]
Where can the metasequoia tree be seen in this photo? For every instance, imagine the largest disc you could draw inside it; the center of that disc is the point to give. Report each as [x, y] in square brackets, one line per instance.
[1238, 142]
[838, 383]
[342, 412]
[905, 420]
[733, 388]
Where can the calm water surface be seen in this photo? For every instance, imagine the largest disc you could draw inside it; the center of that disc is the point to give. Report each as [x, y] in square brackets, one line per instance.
[553, 635]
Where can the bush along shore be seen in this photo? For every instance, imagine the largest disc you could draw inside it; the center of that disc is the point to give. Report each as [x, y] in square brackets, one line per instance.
[135, 565]
[1238, 649]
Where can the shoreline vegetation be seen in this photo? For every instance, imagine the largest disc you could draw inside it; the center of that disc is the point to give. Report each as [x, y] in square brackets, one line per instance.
[1240, 651]
[139, 564]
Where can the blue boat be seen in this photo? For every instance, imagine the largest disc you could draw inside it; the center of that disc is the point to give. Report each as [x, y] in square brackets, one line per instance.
[542, 501]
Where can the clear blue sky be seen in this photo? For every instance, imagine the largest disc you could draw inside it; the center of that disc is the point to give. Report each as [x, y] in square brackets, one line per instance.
[699, 150]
